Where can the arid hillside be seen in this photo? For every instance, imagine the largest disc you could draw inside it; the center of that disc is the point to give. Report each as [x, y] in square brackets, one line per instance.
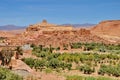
[109, 29]
[6, 34]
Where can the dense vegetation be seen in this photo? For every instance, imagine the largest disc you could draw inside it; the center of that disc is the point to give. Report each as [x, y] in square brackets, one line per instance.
[110, 70]
[97, 61]
[6, 74]
[96, 47]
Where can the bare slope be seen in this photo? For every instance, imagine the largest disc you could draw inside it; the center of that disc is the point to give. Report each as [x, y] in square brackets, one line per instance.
[109, 27]
[109, 30]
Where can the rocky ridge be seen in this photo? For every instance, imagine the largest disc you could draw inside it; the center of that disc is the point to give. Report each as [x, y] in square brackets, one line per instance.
[109, 27]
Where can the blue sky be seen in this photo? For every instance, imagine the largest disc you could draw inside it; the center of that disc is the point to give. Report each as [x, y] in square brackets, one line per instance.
[25, 12]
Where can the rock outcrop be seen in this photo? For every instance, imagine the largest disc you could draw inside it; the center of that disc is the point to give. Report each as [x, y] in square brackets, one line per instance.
[109, 30]
[109, 27]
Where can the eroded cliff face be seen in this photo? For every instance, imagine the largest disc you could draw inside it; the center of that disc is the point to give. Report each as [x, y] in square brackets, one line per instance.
[110, 27]
[109, 30]
[50, 34]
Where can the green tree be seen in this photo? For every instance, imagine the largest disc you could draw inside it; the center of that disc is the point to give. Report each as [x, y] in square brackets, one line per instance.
[86, 69]
[54, 63]
[29, 61]
[39, 64]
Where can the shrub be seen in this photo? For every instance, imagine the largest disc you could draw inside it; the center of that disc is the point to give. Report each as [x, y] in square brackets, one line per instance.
[5, 74]
[86, 69]
[39, 64]
[63, 65]
[69, 65]
[114, 70]
[51, 56]
[102, 70]
[54, 63]
[29, 61]
[48, 70]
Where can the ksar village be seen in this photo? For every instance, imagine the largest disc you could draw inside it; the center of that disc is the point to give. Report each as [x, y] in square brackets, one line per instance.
[59, 40]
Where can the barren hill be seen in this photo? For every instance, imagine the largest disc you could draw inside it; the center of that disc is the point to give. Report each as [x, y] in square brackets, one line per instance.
[6, 34]
[11, 30]
[109, 27]
[109, 30]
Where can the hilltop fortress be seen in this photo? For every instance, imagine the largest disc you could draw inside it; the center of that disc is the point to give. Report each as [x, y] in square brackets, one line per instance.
[45, 26]
[46, 34]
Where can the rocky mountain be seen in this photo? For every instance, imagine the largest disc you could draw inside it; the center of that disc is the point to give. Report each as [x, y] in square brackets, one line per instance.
[11, 27]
